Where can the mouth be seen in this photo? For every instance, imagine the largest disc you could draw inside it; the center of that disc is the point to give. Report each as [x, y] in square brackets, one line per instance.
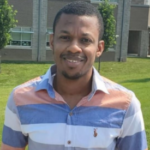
[73, 60]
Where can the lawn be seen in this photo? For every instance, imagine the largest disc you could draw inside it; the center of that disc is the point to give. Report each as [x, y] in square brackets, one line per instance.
[133, 74]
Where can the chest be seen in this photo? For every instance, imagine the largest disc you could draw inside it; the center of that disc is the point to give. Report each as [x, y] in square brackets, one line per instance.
[58, 126]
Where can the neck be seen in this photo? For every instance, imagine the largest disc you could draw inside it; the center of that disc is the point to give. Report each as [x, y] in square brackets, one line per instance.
[81, 86]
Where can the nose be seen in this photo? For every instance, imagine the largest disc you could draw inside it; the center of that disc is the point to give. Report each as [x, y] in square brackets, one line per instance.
[74, 47]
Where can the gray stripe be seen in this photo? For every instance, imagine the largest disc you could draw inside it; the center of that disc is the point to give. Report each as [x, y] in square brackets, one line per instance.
[38, 146]
[11, 104]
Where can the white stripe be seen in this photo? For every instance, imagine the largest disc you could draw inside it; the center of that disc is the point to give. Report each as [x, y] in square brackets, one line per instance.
[98, 82]
[133, 124]
[80, 136]
[11, 120]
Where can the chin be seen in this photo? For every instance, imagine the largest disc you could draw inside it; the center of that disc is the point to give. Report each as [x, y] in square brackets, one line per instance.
[72, 77]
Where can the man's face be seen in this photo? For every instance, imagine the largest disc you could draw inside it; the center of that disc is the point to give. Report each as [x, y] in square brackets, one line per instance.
[75, 44]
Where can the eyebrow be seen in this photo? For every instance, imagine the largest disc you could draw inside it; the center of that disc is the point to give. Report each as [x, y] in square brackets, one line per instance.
[86, 34]
[64, 31]
[67, 32]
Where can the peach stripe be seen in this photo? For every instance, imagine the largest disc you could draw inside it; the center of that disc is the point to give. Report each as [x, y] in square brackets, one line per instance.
[27, 95]
[116, 99]
[32, 80]
[6, 147]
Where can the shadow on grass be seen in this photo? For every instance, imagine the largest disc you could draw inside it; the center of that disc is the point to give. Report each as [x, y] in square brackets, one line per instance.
[138, 57]
[137, 80]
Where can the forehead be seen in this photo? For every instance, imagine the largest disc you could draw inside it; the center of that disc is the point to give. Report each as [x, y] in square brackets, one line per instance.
[69, 20]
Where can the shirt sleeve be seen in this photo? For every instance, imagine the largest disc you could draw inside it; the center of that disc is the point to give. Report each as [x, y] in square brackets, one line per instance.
[133, 136]
[12, 137]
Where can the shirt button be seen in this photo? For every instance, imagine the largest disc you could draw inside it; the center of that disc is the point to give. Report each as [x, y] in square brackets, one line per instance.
[70, 113]
[69, 142]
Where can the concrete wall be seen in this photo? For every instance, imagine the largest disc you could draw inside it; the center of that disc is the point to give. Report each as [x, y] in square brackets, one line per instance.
[139, 34]
[53, 7]
[106, 56]
[17, 54]
[144, 46]
[26, 55]
[40, 30]
[29, 15]
[139, 18]
[25, 9]
[122, 29]
[134, 42]
[149, 18]
[138, 43]
[137, 2]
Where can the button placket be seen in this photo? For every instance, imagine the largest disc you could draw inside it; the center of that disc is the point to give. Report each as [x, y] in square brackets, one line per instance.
[68, 138]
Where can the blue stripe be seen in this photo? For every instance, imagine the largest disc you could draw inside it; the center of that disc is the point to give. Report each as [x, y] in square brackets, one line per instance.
[135, 142]
[14, 138]
[99, 117]
[84, 116]
[45, 85]
[42, 113]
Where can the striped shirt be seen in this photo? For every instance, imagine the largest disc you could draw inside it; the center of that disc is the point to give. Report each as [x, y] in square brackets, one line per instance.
[109, 118]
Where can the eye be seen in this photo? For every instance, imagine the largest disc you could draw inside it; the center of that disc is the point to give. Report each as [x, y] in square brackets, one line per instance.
[64, 37]
[86, 40]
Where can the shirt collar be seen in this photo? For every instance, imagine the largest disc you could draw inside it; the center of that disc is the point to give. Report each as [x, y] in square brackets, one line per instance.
[98, 82]
[47, 82]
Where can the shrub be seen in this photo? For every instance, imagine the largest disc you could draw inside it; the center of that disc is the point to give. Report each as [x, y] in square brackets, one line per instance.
[107, 12]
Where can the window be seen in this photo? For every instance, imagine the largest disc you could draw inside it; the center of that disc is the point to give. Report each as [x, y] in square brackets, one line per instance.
[98, 1]
[21, 36]
[49, 31]
[147, 2]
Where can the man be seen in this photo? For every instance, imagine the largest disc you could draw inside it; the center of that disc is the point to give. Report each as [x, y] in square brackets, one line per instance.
[72, 107]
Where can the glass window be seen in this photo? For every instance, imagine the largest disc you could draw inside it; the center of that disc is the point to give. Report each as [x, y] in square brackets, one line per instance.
[49, 31]
[98, 1]
[26, 39]
[147, 2]
[21, 36]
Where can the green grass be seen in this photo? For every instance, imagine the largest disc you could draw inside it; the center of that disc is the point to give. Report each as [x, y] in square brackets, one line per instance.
[133, 74]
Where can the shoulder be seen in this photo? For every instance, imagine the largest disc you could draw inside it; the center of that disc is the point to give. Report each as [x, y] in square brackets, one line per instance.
[24, 92]
[122, 97]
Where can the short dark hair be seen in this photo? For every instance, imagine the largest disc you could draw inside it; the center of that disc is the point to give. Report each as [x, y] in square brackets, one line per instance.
[80, 8]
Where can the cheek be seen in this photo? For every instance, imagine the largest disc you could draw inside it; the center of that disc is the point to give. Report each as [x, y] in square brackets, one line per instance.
[92, 55]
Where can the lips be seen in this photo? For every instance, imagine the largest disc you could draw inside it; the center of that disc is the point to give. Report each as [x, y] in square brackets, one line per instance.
[73, 60]
[73, 57]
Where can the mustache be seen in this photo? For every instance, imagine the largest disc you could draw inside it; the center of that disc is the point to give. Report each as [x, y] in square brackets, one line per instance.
[74, 56]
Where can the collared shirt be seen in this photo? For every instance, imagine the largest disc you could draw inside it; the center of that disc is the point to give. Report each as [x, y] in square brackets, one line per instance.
[109, 118]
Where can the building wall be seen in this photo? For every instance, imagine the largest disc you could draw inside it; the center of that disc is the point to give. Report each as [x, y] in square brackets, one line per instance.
[139, 18]
[134, 42]
[106, 56]
[122, 29]
[138, 2]
[149, 18]
[16, 54]
[138, 35]
[53, 8]
[29, 16]
[24, 11]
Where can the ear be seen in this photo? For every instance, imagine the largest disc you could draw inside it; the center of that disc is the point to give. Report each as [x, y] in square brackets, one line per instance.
[100, 49]
[51, 41]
